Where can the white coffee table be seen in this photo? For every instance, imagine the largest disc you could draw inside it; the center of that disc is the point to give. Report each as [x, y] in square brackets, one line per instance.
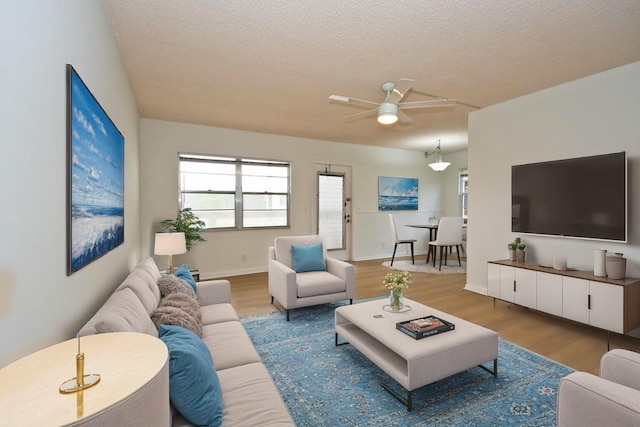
[414, 363]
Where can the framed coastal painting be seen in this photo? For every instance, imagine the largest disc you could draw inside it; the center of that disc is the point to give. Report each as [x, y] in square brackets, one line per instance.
[397, 194]
[95, 178]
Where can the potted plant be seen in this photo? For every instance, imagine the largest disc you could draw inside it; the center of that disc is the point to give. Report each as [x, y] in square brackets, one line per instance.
[512, 248]
[521, 252]
[188, 223]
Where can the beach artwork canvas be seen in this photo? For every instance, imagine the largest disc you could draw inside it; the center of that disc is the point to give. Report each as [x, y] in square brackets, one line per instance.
[95, 178]
[396, 194]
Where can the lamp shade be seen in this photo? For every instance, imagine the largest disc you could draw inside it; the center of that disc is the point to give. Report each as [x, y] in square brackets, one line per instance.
[170, 244]
[387, 113]
[439, 166]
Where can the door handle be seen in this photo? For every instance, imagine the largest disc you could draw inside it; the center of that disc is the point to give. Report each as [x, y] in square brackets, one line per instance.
[514, 286]
[589, 302]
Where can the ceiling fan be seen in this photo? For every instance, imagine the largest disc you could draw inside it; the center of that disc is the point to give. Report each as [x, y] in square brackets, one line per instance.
[389, 111]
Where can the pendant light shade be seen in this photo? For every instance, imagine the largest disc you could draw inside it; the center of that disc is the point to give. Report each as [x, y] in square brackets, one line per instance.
[438, 166]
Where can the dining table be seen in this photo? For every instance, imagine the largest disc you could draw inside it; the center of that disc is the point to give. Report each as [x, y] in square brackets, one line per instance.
[433, 229]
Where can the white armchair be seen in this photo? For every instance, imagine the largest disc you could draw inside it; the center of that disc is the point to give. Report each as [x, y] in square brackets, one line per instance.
[611, 399]
[302, 289]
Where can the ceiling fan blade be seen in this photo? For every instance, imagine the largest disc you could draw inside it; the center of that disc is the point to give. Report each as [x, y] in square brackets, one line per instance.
[360, 115]
[401, 89]
[352, 101]
[404, 118]
[426, 104]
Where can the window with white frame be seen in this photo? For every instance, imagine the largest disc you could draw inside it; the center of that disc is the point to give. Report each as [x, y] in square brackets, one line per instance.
[235, 193]
[464, 191]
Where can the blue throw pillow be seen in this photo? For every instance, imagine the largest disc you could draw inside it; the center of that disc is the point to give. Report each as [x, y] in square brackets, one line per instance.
[308, 258]
[194, 388]
[184, 273]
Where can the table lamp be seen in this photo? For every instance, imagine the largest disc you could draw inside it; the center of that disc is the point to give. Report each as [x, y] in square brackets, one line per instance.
[170, 244]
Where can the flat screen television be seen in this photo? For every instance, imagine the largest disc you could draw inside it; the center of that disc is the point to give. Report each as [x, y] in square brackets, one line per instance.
[584, 197]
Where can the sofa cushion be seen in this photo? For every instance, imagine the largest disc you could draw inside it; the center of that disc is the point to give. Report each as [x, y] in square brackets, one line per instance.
[251, 397]
[217, 313]
[315, 283]
[170, 284]
[137, 281]
[123, 312]
[149, 266]
[194, 388]
[168, 315]
[184, 273]
[308, 258]
[229, 344]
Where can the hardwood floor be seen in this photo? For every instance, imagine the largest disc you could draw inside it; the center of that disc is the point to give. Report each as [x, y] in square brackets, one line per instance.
[570, 343]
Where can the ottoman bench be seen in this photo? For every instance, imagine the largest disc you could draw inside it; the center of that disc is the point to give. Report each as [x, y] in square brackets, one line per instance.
[414, 363]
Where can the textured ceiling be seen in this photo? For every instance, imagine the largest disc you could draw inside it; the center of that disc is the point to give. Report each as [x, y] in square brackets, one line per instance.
[270, 66]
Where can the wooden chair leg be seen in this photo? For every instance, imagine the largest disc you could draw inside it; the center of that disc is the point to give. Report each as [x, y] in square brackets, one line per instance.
[458, 251]
[394, 252]
[413, 261]
[443, 252]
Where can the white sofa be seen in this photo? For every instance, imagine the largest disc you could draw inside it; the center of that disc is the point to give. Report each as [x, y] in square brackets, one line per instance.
[249, 395]
[611, 399]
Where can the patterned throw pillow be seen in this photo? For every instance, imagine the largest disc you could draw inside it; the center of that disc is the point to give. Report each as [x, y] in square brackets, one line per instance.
[171, 284]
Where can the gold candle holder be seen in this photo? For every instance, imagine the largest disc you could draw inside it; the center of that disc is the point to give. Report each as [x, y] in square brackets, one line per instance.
[81, 381]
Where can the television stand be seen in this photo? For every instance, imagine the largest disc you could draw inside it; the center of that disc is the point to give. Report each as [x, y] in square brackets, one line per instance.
[612, 305]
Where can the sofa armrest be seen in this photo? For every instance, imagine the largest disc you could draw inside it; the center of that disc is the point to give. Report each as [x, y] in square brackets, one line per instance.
[213, 292]
[622, 367]
[282, 283]
[588, 400]
[343, 270]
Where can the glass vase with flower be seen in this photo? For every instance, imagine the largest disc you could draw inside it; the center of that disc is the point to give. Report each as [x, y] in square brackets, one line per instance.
[396, 283]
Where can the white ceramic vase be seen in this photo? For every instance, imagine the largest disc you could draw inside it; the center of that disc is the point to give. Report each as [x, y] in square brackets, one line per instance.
[600, 262]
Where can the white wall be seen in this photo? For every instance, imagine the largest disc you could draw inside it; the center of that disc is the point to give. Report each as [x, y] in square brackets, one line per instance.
[39, 304]
[594, 115]
[221, 254]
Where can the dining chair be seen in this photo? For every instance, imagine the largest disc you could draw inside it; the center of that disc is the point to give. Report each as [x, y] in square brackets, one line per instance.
[398, 241]
[449, 235]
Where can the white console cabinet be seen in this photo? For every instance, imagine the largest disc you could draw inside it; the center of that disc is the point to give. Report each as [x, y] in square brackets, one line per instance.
[613, 305]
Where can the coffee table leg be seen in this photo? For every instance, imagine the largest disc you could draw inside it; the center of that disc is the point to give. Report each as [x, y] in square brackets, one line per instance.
[495, 368]
[405, 401]
[342, 343]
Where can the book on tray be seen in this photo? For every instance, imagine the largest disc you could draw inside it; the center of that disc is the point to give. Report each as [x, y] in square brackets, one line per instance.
[424, 327]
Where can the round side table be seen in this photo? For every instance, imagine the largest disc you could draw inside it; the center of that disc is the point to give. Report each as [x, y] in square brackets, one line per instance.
[133, 388]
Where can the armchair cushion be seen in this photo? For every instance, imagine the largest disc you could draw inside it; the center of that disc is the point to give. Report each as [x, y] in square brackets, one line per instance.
[308, 258]
[314, 283]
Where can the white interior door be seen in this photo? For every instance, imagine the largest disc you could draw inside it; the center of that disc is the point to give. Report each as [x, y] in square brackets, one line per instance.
[333, 208]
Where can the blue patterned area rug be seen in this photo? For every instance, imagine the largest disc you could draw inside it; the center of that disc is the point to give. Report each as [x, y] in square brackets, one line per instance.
[325, 385]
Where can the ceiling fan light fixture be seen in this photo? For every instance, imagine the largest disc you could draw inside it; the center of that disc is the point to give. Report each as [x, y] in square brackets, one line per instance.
[387, 113]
